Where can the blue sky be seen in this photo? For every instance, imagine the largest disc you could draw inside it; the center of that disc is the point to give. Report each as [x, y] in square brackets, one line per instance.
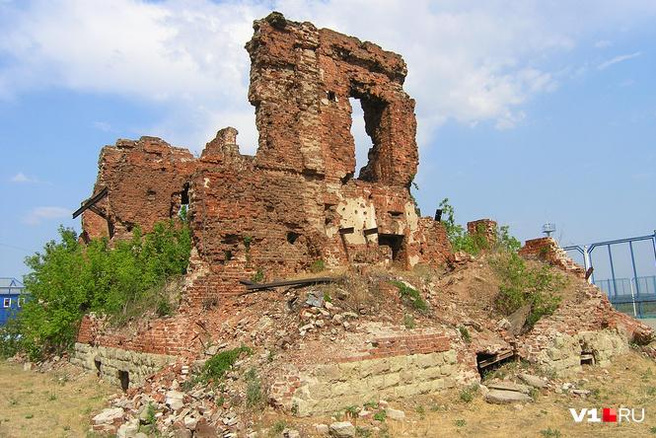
[528, 111]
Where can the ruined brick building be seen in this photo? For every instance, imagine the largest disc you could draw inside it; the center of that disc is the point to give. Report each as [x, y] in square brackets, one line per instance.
[298, 202]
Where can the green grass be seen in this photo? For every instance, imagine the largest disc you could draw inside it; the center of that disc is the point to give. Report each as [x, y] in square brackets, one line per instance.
[411, 296]
[216, 367]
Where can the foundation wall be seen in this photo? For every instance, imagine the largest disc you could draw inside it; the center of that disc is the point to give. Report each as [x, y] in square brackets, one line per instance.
[109, 361]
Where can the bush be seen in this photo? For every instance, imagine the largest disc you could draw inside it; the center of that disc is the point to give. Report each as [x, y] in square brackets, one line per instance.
[216, 367]
[254, 395]
[411, 296]
[461, 240]
[69, 279]
[521, 285]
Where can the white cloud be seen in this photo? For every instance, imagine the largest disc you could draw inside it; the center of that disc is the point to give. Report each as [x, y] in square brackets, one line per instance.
[621, 58]
[468, 61]
[602, 44]
[39, 214]
[21, 178]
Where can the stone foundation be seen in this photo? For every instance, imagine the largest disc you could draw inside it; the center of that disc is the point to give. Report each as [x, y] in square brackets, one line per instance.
[332, 387]
[109, 362]
[563, 354]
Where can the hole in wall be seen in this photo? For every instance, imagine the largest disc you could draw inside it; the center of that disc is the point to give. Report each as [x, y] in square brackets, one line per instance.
[124, 378]
[487, 362]
[331, 96]
[362, 140]
[394, 242]
[291, 237]
[98, 365]
[587, 358]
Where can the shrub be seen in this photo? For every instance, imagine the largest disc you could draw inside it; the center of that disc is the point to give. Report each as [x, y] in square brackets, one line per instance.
[521, 285]
[411, 296]
[464, 332]
[467, 394]
[317, 266]
[216, 367]
[380, 416]
[69, 279]
[254, 394]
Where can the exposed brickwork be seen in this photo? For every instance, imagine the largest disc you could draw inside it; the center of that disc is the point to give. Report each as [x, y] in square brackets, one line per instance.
[296, 201]
[485, 229]
[547, 250]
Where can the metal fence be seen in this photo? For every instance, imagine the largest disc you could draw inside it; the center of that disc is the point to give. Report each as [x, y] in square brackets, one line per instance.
[635, 296]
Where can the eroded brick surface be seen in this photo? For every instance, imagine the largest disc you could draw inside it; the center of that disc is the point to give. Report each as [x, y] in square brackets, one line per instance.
[296, 201]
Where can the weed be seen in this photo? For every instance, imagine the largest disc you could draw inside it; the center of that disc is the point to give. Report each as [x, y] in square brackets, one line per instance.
[52, 396]
[13, 401]
[550, 433]
[380, 416]
[220, 363]
[411, 296]
[210, 302]
[254, 394]
[653, 430]
[421, 411]
[351, 411]
[29, 416]
[409, 321]
[651, 391]
[371, 404]
[164, 307]
[278, 427]
[258, 276]
[467, 394]
[464, 332]
[326, 297]
[460, 422]
[533, 393]
[150, 414]
[271, 356]
[317, 266]
[362, 432]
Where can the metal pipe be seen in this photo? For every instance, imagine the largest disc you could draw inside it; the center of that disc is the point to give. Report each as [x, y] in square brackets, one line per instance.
[612, 270]
[635, 272]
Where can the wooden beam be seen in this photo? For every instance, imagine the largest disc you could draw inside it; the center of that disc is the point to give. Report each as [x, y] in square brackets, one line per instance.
[348, 230]
[369, 231]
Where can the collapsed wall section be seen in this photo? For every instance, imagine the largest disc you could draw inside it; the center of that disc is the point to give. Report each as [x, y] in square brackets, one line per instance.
[146, 181]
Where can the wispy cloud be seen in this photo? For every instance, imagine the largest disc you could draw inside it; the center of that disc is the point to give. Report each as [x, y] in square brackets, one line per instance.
[602, 44]
[196, 48]
[621, 58]
[103, 126]
[40, 214]
[21, 178]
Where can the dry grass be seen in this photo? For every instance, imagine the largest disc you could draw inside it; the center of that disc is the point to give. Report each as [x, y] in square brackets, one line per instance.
[54, 404]
[630, 382]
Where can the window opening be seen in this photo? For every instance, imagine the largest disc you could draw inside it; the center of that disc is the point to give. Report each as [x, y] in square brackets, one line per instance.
[124, 378]
[362, 140]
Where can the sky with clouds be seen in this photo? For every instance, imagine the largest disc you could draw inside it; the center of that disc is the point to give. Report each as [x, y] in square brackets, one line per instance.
[528, 111]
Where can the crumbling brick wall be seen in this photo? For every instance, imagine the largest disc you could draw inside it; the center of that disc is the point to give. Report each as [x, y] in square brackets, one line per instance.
[297, 201]
[548, 250]
[146, 181]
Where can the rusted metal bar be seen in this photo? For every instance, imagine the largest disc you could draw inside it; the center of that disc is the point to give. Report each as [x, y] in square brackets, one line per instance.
[250, 286]
[88, 203]
[348, 230]
[369, 231]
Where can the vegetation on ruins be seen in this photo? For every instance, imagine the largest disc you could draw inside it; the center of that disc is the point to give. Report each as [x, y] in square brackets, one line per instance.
[69, 279]
[521, 284]
[410, 296]
[219, 364]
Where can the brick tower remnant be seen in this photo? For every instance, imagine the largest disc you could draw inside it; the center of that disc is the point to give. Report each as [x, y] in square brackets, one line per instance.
[297, 200]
